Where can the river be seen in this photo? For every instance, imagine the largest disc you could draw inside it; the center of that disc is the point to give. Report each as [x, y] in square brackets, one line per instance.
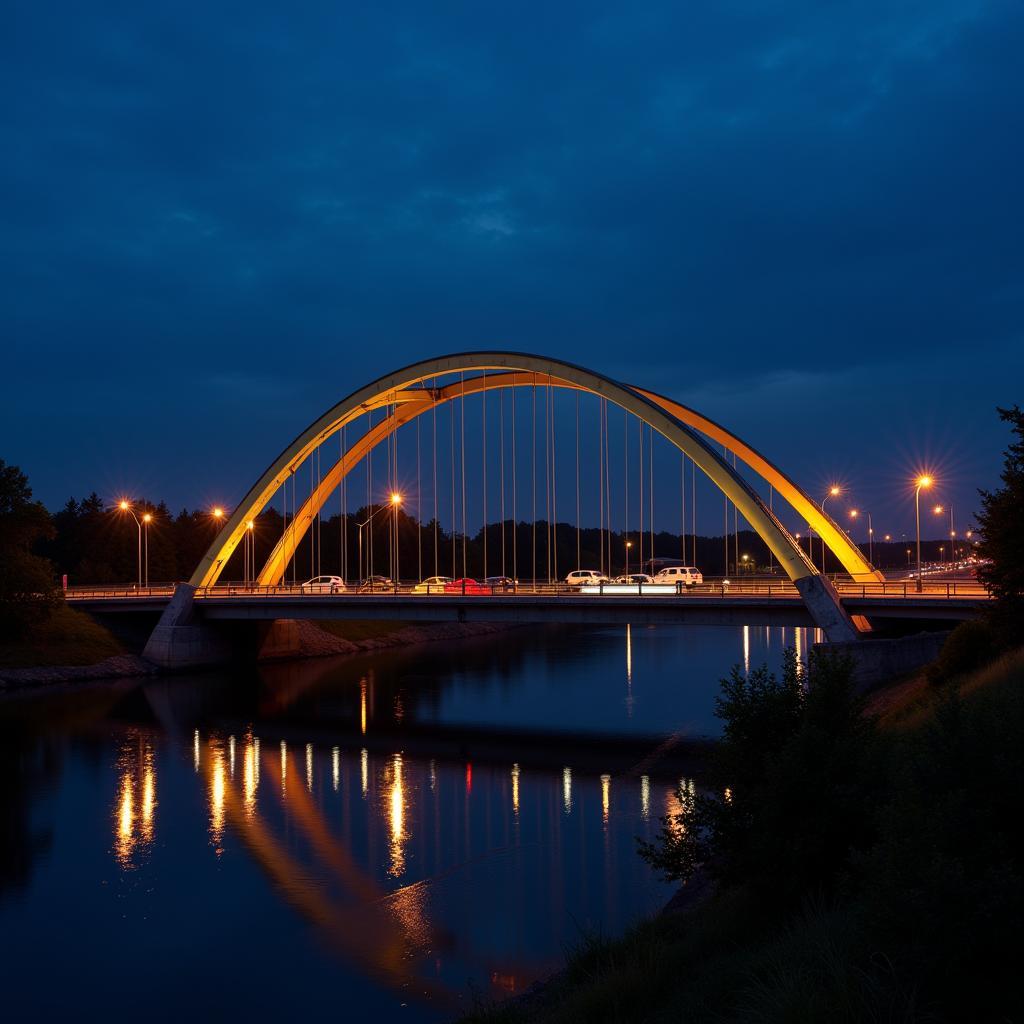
[384, 837]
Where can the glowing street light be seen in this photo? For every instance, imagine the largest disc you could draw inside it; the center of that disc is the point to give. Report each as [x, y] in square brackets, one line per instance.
[125, 506]
[938, 510]
[833, 492]
[146, 520]
[923, 483]
[629, 544]
[396, 500]
[871, 534]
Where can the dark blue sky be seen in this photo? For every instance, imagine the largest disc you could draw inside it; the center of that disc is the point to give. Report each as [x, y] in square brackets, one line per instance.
[803, 219]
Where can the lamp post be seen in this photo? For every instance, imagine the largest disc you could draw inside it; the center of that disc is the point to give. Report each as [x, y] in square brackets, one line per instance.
[125, 506]
[146, 520]
[922, 482]
[629, 544]
[833, 492]
[938, 510]
[250, 552]
[871, 533]
[396, 500]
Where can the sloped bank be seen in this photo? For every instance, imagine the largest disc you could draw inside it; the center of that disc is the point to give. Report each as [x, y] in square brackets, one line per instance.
[287, 639]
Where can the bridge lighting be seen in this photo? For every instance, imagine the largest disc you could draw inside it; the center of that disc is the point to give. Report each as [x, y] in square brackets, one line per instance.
[923, 482]
[125, 506]
[834, 490]
[147, 518]
[396, 498]
[218, 513]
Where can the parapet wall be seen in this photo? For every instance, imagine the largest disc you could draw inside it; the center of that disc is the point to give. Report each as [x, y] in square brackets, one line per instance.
[879, 661]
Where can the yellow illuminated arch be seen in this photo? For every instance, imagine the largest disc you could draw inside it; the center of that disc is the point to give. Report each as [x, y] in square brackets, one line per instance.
[405, 393]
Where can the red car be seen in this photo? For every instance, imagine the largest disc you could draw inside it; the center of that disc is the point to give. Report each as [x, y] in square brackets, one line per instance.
[466, 586]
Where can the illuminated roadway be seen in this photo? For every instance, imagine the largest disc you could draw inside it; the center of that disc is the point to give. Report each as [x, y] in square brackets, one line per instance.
[773, 602]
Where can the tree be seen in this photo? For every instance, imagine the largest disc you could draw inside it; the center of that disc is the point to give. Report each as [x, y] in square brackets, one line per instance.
[1001, 524]
[793, 801]
[27, 591]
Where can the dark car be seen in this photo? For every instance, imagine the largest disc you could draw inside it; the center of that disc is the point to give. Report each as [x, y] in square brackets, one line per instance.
[376, 585]
[501, 583]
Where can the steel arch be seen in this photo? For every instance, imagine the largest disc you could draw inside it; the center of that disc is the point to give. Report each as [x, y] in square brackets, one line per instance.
[405, 391]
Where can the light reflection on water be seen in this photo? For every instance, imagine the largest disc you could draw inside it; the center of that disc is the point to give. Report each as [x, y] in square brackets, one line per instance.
[391, 867]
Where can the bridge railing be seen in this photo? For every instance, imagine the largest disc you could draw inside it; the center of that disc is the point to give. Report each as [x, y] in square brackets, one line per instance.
[710, 588]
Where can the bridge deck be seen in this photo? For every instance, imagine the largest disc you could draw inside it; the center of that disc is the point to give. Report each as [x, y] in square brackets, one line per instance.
[769, 603]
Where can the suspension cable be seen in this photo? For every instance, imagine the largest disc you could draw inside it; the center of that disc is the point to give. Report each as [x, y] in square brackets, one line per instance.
[533, 479]
[554, 486]
[515, 508]
[343, 495]
[608, 482]
[547, 477]
[577, 479]
[451, 421]
[641, 531]
[433, 413]
[462, 457]
[501, 448]
[650, 490]
[600, 483]
[419, 509]
[483, 459]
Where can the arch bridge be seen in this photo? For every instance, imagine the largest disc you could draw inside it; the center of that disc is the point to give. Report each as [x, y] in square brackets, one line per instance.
[408, 393]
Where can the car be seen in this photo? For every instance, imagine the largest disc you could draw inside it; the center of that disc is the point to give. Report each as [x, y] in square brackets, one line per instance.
[499, 583]
[432, 585]
[688, 575]
[376, 585]
[466, 586]
[586, 578]
[634, 578]
[324, 585]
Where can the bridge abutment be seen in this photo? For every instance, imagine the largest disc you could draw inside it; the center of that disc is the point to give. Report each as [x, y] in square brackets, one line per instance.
[182, 639]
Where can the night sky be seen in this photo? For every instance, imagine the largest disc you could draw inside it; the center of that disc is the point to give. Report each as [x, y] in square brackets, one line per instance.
[803, 219]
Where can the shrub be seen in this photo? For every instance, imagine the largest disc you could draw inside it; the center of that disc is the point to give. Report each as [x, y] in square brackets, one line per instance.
[970, 646]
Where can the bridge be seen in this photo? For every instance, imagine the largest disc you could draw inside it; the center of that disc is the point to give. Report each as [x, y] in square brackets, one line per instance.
[315, 469]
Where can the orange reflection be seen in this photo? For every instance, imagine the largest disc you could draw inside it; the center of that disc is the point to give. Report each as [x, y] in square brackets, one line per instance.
[335, 768]
[645, 797]
[515, 789]
[217, 791]
[284, 766]
[362, 705]
[364, 769]
[606, 792]
[250, 778]
[396, 818]
[124, 844]
[309, 767]
[134, 812]
[567, 789]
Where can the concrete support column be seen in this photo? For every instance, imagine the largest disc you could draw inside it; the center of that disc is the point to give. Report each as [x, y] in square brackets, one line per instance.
[182, 639]
[826, 609]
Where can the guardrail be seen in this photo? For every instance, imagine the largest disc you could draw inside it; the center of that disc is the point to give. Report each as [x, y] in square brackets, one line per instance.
[771, 588]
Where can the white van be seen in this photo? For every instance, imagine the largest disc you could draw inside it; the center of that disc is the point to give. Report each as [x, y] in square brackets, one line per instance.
[688, 575]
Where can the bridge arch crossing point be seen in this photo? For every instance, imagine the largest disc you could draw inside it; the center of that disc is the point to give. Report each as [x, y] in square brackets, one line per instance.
[407, 393]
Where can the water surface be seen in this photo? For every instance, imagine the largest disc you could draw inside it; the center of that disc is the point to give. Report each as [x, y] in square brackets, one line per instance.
[381, 836]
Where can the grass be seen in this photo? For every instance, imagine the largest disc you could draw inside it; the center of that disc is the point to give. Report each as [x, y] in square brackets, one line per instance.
[67, 637]
[922, 933]
[361, 630]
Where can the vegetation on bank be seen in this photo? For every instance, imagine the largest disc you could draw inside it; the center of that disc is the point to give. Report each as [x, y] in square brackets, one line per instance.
[64, 637]
[873, 871]
[353, 630]
[867, 861]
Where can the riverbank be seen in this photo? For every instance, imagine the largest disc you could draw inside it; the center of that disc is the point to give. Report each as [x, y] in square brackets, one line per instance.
[71, 647]
[922, 919]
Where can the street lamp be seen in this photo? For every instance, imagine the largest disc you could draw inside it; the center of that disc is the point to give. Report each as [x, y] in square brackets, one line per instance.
[938, 510]
[146, 520]
[396, 500]
[125, 506]
[923, 482]
[629, 544]
[871, 534]
[833, 492]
